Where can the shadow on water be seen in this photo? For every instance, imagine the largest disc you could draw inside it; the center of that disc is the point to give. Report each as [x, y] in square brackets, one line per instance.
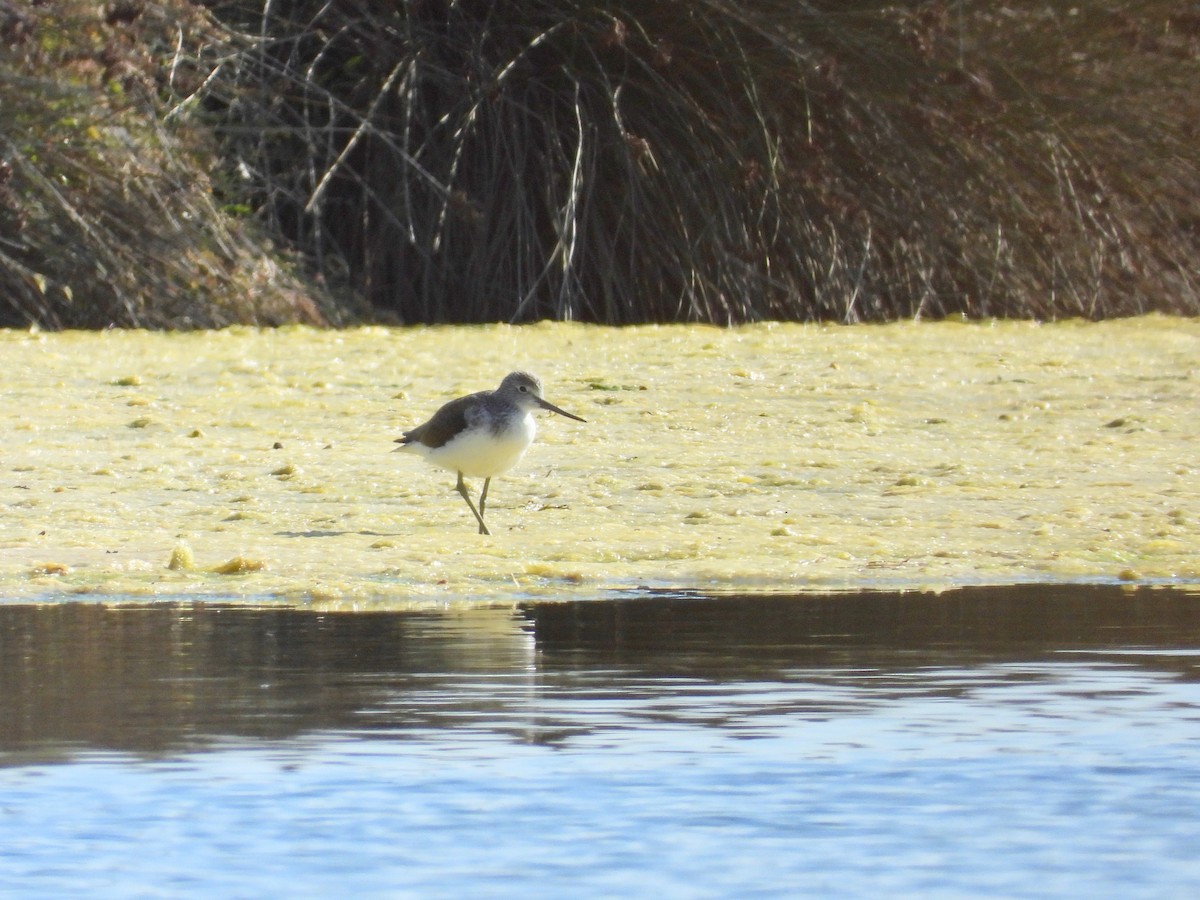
[169, 678]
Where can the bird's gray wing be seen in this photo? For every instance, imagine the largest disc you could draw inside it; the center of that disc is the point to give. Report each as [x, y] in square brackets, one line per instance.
[444, 425]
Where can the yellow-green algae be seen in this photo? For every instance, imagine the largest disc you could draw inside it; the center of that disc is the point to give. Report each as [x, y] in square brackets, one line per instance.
[256, 464]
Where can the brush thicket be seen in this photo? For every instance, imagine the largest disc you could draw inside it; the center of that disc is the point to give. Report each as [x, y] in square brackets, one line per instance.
[107, 214]
[693, 160]
[725, 161]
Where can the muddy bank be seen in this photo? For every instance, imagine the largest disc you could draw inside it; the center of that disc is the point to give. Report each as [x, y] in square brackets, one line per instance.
[258, 465]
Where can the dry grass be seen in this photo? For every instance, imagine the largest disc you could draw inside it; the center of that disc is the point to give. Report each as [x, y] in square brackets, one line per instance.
[107, 216]
[721, 161]
[696, 160]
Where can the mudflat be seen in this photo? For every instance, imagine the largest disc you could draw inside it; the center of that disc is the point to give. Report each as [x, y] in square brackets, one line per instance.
[255, 465]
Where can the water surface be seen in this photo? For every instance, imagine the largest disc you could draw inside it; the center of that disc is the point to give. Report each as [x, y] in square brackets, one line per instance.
[1036, 741]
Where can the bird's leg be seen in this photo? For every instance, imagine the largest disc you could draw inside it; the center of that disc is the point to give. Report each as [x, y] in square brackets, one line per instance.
[483, 495]
[462, 489]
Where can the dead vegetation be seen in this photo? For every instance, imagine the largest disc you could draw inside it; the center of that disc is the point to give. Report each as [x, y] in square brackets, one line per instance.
[615, 162]
[107, 213]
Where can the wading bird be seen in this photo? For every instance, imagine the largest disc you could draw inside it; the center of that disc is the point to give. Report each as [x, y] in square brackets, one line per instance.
[482, 435]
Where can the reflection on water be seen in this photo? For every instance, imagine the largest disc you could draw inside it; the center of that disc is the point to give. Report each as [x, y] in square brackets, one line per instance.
[1034, 740]
[159, 678]
[150, 679]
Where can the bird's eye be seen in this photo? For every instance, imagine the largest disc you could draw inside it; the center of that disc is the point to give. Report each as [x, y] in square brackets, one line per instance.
[524, 389]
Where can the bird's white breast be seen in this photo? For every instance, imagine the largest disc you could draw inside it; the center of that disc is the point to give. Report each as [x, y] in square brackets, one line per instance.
[481, 452]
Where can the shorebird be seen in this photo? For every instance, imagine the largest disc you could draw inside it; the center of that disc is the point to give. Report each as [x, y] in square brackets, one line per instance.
[482, 435]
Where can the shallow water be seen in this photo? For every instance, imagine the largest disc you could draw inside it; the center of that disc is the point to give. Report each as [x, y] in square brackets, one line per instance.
[772, 457]
[1035, 742]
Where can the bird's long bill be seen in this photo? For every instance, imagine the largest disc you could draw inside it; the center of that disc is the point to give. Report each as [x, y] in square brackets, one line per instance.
[562, 412]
